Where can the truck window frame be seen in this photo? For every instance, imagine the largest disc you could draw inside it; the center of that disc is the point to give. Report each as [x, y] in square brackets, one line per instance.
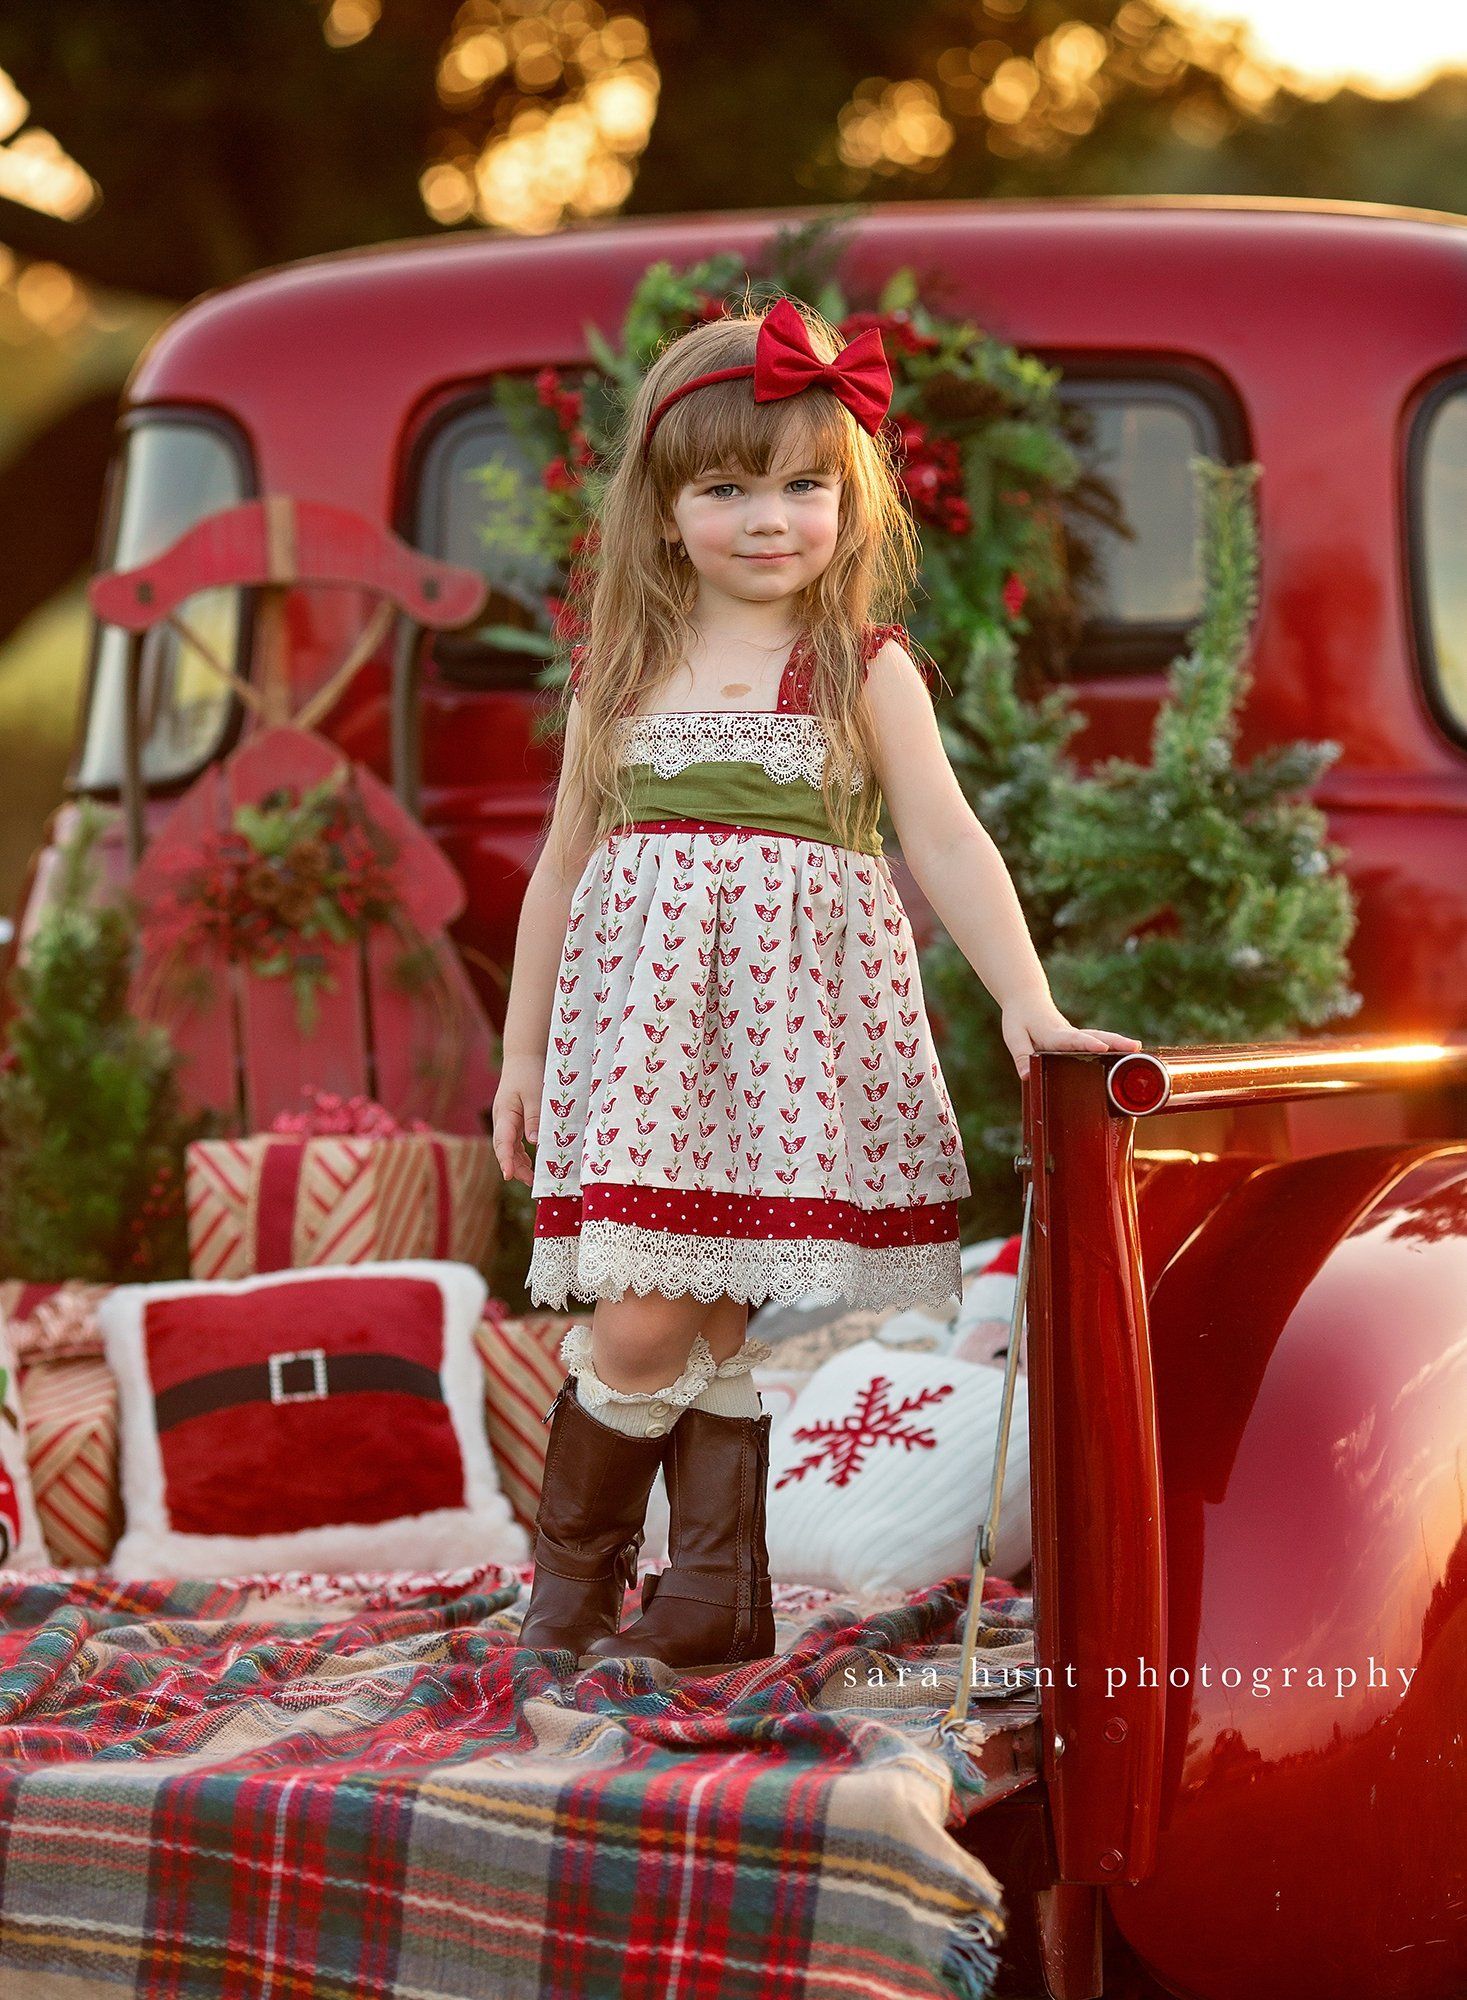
[1422, 408]
[1108, 648]
[1116, 648]
[478, 670]
[233, 437]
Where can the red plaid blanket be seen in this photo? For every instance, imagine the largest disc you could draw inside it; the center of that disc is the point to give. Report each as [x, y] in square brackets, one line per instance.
[337, 1789]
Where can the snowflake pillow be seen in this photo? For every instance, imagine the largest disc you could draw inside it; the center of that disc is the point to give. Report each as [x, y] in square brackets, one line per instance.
[879, 1475]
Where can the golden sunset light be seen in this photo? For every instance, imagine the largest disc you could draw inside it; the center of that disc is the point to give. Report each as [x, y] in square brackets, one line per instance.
[1327, 43]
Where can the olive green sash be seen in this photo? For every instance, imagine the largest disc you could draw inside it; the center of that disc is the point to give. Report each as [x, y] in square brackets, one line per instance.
[741, 794]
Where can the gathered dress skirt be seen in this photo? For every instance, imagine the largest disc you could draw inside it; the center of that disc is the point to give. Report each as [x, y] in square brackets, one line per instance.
[741, 1092]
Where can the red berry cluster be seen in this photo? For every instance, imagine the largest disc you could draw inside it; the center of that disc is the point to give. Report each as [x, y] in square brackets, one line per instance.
[563, 473]
[931, 473]
[159, 1205]
[253, 904]
[896, 330]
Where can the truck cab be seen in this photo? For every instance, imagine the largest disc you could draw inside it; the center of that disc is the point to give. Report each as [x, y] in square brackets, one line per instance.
[1327, 341]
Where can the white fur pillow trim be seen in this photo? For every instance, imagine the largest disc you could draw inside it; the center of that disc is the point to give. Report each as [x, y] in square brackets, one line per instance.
[483, 1530]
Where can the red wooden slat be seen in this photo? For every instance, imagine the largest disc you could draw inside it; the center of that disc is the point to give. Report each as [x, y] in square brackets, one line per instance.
[252, 1027]
[407, 1032]
[279, 1061]
[331, 545]
[202, 1033]
[430, 886]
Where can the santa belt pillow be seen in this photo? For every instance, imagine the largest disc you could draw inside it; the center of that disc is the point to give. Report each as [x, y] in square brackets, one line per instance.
[322, 1419]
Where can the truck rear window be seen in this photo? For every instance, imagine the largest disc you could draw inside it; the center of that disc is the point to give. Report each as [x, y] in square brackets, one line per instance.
[475, 465]
[1440, 547]
[1147, 587]
[173, 472]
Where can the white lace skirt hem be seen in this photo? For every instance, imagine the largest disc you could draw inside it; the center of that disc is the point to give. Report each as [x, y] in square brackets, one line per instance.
[608, 1259]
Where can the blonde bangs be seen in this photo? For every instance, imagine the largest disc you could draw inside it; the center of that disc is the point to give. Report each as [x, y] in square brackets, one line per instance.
[721, 426]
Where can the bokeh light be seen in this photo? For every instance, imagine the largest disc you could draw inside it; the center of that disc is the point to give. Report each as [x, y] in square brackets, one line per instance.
[1325, 43]
[571, 92]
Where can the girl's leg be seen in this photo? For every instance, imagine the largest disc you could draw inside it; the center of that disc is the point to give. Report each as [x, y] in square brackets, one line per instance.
[724, 1327]
[648, 1357]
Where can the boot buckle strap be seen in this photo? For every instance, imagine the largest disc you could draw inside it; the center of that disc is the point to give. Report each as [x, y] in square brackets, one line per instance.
[723, 1587]
[558, 1560]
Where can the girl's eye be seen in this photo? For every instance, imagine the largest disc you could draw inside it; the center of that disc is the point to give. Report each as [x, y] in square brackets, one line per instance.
[731, 485]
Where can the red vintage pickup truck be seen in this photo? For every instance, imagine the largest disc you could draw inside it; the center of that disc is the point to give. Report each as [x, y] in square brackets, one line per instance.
[1247, 1307]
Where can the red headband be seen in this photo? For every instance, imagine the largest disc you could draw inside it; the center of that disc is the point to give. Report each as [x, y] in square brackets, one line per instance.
[785, 363]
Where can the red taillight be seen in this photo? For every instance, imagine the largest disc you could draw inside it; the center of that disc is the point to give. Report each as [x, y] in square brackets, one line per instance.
[1137, 1084]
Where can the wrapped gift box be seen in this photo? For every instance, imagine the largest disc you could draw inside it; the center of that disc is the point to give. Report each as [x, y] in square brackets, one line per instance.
[70, 1410]
[277, 1201]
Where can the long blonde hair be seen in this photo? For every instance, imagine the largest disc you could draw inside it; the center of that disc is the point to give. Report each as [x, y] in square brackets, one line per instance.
[639, 624]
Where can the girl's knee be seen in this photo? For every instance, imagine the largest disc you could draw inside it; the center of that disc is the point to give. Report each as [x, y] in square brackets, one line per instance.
[645, 1336]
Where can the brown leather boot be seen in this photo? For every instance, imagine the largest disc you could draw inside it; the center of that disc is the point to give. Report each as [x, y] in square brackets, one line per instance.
[593, 1505]
[712, 1606]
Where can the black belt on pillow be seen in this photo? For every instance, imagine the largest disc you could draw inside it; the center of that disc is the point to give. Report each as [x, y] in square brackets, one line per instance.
[303, 1375]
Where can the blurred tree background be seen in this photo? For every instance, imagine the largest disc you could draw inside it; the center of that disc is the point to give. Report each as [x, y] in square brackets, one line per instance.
[152, 150]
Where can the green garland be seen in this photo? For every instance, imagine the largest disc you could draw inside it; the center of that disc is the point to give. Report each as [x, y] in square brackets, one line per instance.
[988, 453]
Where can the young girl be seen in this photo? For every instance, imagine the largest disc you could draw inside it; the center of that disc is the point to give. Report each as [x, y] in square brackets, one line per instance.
[716, 1031]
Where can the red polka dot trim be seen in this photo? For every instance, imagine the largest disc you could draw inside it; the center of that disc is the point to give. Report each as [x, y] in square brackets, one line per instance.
[764, 1218]
[726, 826]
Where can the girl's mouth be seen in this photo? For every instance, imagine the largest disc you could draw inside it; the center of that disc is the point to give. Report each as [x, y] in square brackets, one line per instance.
[784, 555]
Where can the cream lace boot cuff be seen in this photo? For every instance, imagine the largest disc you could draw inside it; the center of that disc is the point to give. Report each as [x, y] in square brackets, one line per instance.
[750, 1356]
[576, 1354]
[731, 1391]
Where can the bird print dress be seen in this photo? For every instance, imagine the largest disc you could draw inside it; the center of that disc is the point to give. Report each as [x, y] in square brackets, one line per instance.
[741, 1091]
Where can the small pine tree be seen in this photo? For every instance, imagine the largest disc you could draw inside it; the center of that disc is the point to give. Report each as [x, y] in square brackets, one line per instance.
[1186, 900]
[91, 1139]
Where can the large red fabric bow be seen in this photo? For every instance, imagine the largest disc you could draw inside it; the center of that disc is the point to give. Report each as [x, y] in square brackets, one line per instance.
[785, 363]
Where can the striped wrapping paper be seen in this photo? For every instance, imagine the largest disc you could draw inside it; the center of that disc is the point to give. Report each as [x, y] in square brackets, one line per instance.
[522, 1371]
[70, 1407]
[275, 1202]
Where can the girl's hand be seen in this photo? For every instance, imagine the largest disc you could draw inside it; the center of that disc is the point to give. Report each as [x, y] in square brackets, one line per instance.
[517, 1117]
[1036, 1024]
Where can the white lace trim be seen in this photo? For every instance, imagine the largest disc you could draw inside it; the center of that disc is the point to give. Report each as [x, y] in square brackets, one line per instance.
[609, 1258]
[745, 1358]
[575, 1353]
[786, 746]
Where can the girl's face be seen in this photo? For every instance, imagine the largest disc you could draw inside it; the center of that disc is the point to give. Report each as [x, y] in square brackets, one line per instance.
[759, 538]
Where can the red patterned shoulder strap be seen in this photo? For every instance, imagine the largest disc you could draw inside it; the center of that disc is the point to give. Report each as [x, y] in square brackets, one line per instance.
[876, 638]
[795, 693]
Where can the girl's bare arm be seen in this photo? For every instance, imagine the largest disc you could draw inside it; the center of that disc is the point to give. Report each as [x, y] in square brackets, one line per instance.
[539, 939]
[958, 867]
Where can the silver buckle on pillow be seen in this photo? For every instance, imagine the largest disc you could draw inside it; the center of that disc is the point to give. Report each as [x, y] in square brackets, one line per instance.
[317, 1357]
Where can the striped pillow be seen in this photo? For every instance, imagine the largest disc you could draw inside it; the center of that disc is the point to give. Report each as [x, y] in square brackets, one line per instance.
[522, 1371]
